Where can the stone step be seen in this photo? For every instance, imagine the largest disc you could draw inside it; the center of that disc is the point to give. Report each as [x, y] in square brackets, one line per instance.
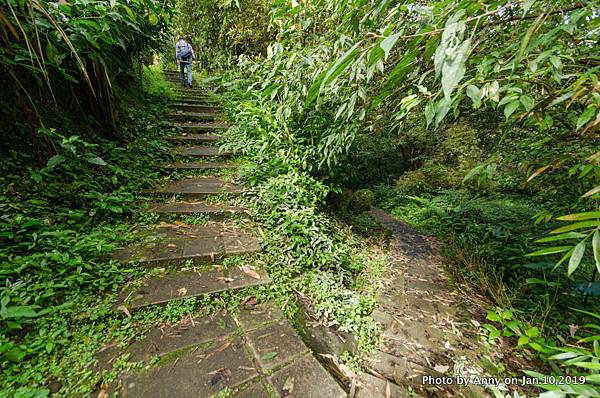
[173, 244]
[199, 151]
[196, 101]
[251, 353]
[199, 127]
[182, 96]
[198, 187]
[185, 284]
[195, 116]
[216, 211]
[195, 138]
[199, 165]
[188, 107]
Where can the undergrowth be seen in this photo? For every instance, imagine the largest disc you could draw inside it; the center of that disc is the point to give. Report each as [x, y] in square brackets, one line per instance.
[63, 211]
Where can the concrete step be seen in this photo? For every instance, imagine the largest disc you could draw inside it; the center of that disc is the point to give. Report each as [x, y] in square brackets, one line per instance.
[188, 208]
[199, 151]
[191, 107]
[195, 138]
[174, 244]
[191, 116]
[178, 285]
[196, 101]
[199, 165]
[199, 127]
[198, 188]
[253, 354]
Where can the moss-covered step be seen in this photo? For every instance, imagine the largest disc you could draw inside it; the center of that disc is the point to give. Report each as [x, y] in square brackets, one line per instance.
[192, 208]
[199, 127]
[196, 101]
[197, 188]
[194, 116]
[200, 165]
[191, 107]
[195, 138]
[199, 151]
[171, 244]
[199, 357]
[177, 285]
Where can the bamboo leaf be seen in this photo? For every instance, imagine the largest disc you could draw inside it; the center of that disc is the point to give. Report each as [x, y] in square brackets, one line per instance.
[580, 216]
[576, 257]
[388, 43]
[596, 248]
[578, 225]
[550, 250]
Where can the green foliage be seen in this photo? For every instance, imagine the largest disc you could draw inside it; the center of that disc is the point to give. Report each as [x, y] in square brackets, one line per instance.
[222, 30]
[61, 217]
[362, 200]
[574, 360]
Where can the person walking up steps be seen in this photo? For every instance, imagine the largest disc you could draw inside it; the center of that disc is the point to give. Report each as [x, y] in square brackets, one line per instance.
[185, 55]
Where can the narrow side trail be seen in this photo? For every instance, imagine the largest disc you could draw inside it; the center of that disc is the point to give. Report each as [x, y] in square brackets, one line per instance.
[426, 330]
[255, 354]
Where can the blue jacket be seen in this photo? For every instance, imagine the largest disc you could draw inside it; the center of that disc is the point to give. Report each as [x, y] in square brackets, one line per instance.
[179, 48]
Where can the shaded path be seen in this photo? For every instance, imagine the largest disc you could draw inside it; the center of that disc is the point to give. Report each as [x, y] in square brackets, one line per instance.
[424, 324]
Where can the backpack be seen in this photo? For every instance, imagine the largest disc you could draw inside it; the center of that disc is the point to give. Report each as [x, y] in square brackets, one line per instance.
[186, 52]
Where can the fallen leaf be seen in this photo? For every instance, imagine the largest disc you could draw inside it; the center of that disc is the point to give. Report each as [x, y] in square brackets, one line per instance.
[219, 375]
[441, 368]
[288, 387]
[250, 301]
[388, 390]
[182, 291]
[171, 245]
[268, 356]
[226, 280]
[250, 271]
[125, 310]
[103, 392]
[475, 323]
[181, 224]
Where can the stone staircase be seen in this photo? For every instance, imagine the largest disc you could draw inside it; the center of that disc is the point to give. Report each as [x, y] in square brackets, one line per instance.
[254, 354]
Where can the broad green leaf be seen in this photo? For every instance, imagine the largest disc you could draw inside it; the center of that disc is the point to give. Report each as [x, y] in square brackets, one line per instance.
[578, 225]
[97, 161]
[527, 102]
[493, 316]
[388, 43]
[585, 117]
[523, 340]
[580, 216]
[475, 94]
[550, 250]
[511, 108]
[532, 332]
[55, 160]
[576, 257]
[19, 311]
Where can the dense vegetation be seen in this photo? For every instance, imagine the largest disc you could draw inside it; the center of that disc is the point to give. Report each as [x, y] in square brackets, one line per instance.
[75, 135]
[476, 121]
